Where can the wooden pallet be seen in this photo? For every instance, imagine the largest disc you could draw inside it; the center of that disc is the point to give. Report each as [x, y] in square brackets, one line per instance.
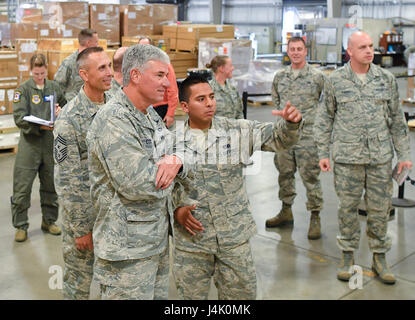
[8, 150]
[260, 103]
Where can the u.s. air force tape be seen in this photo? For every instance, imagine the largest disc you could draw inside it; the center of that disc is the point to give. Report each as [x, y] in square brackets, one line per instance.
[60, 149]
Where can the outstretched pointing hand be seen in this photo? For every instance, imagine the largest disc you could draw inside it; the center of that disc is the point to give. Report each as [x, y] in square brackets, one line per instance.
[289, 113]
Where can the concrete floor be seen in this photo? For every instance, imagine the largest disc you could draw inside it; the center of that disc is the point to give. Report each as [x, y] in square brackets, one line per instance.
[288, 265]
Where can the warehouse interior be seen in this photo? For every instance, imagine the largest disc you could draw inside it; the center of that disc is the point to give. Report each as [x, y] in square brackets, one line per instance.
[254, 34]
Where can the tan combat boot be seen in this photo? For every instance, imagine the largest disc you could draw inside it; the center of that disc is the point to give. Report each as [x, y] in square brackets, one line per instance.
[20, 236]
[285, 216]
[381, 269]
[51, 228]
[314, 231]
[343, 270]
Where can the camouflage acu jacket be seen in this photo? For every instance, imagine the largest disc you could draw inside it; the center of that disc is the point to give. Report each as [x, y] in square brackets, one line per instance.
[217, 184]
[228, 100]
[303, 91]
[364, 121]
[71, 163]
[124, 145]
[68, 77]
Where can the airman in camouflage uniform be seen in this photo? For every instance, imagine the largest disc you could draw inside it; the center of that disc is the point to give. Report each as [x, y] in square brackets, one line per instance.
[68, 75]
[72, 176]
[302, 86]
[131, 178]
[35, 151]
[362, 117]
[228, 100]
[215, 193]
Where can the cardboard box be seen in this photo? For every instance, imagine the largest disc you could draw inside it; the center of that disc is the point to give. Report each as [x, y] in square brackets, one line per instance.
[47, 31]
[186, 37]
[8, 68]
[28, 15]
[105, 20]
[181, 61]
[24, 31]
[159, 41]
[25, 49]
[62, 44]
[164, 14]
[4, 17]
[110, 53]
[71, 17]
[6, 100]
[136, 20]
[55, 59]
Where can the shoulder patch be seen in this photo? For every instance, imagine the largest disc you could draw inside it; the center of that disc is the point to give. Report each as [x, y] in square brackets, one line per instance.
[17, 95]
[36, 99]
[60, 150]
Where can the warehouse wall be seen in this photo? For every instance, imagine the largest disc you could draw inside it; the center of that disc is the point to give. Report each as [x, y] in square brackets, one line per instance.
[403, 11]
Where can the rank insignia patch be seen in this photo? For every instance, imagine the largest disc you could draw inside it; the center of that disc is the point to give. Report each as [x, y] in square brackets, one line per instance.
[60, 149]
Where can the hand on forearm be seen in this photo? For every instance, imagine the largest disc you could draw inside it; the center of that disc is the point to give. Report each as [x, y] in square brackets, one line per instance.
[168, 167]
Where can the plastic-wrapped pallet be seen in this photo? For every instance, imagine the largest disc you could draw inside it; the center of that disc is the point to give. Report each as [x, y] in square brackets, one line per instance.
[259, 78]
[239, 50]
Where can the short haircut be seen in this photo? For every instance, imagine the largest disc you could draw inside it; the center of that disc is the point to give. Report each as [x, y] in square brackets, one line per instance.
[37, 60]
[296, 39]
[84, 55]
[146, 37]
[185, 86]
[85, 35]
[118, 58]
[217, 62]
[137, 57]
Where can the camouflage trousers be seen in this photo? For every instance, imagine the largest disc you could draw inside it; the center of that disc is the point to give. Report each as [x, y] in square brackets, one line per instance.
[304, 157]
[349, 181]
[78, 270]
[137, 279]
[233, 273]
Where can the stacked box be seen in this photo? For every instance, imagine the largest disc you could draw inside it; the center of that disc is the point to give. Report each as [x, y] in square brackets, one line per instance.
[55, 59]
[4, 17]
[105, 20]
[24, 31]
[8, 80]
[25, 49]
[186, 37]
[28, 15]
[69, 44]
[240, 51]
[5, 34]
[136, 20]
[164, 14]
[70, 17]
[147, 19]
[46, 31]
[110, 53]
[181, 62]
[6, 99]
[161, 42]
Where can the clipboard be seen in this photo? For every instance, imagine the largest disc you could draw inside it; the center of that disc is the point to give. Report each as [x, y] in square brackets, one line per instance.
[37, 120]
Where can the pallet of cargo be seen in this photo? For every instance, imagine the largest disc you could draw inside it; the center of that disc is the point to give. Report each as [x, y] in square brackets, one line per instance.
[260, 103]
